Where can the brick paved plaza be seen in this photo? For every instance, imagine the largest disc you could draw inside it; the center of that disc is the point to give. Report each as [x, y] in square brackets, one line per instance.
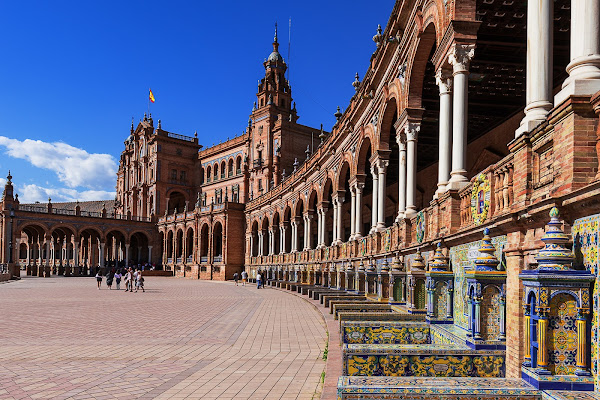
[62, 338]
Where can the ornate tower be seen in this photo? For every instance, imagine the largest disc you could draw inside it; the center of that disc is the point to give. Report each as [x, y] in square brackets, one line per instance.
[272, 110]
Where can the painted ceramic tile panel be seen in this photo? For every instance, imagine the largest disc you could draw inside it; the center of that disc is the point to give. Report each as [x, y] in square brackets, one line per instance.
[461, 257]
[585, 247]
[488, 366]
[490, 313]
[441, 296]
[562, 334]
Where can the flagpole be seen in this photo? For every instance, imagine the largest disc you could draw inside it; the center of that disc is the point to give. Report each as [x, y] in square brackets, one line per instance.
[149, 91]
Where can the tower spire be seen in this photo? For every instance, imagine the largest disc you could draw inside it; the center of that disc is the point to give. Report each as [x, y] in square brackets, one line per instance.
[275, 38]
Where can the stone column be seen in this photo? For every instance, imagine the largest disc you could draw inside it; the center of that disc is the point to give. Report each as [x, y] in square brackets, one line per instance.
[584, 68]
[340, 228]
[477, 318]
[294, 235]
[102, 247]
[382, 168]
[149, 254]
[127, 255]
[252, 244]
[460, 57]
[539, 64]
[324, 225]
[48, 252]
[260, 243]
[374, 197]
[335, 221]
[359, 186]
[320, 228]
[75, 253]
[271, 243]
[308, 231]
[411, 130]
[444, 82]
[352, 212]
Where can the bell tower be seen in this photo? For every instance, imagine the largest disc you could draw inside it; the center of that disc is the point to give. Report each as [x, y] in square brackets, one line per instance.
[272, 113]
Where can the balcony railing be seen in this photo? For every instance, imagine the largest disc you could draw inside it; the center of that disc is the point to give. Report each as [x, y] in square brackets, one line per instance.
[489, 193]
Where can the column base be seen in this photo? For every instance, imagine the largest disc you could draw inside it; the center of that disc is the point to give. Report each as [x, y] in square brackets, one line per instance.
[409, 213]
[373, 230]
[577, 87]
[380, 227]
[400, 216]
[457, 182]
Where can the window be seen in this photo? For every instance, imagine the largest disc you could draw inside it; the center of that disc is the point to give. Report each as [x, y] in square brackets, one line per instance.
[182, 177]
[174, 174]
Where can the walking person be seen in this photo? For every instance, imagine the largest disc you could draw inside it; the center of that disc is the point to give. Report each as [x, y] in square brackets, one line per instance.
[99, 279]
[235, 278]
[139, 281]
[128, 278]
[118, 279]
[109, 279]
[258, 280]
[244, 278]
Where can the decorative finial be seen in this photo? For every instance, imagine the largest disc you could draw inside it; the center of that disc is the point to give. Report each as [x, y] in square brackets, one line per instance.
[486, 261]
[385, 267]
[131, 124]
[296, 164]
[322, 135]
[249, 122]
[338, 114]
[254, 107]
[9, 178]
[361, 266]
[145, 116]
[396, 264]
[275, 38]
[307, 152]
[49, 199]
[159, 124]
[378, 38]
[356, 82]
[270, 101]
[440, 262]
[554, 255]
[418, 263]
[196, 134]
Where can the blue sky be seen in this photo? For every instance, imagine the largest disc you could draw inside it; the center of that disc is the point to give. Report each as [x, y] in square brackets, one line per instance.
[74, 73]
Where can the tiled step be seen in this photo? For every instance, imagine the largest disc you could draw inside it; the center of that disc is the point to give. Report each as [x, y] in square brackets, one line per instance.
[392, 388]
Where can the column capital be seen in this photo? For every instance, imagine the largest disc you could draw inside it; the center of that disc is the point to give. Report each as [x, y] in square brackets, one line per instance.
[443, 78]
[460, 56]
[339, 196]
[411, 130]
[401, 140]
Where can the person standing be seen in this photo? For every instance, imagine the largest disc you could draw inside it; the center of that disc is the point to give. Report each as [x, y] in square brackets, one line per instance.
[258, 280]
[118, 279]
[109, 279]
[99, 279]
[235, 278]
[139, 281]
[244, 278]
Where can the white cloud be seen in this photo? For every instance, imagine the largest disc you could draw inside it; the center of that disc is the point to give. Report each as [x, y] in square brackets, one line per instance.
[2, 183]
[73, 166]
[32, 193]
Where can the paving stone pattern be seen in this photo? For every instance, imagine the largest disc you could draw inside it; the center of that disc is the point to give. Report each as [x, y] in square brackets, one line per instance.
[62, 338]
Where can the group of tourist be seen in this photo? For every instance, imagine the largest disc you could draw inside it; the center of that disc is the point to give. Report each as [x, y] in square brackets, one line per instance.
[129, 275]
[260, 281]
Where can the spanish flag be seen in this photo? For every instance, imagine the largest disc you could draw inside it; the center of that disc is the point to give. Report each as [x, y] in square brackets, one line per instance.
[151, 96]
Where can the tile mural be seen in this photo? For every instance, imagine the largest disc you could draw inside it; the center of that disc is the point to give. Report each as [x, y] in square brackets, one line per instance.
[463, 257]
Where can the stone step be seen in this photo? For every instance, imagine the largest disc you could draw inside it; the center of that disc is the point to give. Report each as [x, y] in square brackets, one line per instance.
[391, 388]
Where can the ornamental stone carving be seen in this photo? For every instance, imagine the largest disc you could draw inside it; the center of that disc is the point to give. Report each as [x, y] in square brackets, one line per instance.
[460, 56]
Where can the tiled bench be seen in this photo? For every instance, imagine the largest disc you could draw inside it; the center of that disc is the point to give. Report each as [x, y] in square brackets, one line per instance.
[422, 360]
[392, 388]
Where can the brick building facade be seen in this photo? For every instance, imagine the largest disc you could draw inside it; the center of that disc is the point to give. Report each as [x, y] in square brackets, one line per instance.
[472, 114]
